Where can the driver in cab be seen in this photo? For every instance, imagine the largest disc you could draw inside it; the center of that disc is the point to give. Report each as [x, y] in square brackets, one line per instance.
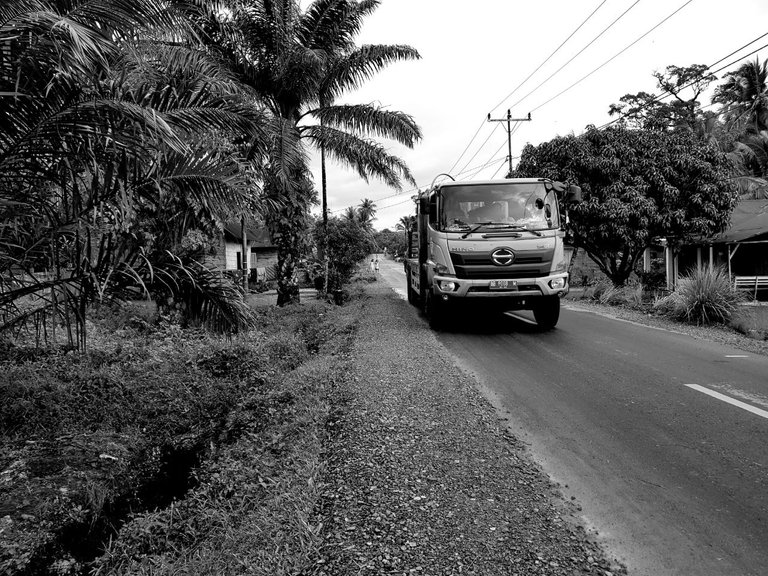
[493, 212]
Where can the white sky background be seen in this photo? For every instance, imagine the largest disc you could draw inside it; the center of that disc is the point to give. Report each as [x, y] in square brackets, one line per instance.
[474, 54]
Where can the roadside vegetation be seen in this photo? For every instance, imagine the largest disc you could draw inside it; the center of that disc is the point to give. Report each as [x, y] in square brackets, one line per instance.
[163, 449]
[152, 418]
[702, 298]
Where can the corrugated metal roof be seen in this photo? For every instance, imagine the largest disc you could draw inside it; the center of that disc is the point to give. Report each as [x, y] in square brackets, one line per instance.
[748, 220]
[258, 236]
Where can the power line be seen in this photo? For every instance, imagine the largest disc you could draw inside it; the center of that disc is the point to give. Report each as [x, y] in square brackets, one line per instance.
[578, 53]
[548, 58]
[480, 127]
[417, 188]
[667, 92]
[612, 58]
[482, 123]
[479, 149]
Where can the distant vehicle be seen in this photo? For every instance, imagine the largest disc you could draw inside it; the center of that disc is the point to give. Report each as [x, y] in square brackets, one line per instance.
[495, 245]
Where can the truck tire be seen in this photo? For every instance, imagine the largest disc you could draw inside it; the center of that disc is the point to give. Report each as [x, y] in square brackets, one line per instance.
[434, 310]
[413, 298]
[547, 312]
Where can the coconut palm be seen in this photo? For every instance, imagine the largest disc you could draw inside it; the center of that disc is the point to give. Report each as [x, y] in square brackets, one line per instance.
[299, 62]
[406, 223]
[366, 213]
[744, 97]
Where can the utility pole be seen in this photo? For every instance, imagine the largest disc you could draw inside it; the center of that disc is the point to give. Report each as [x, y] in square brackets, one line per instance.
[509, 121]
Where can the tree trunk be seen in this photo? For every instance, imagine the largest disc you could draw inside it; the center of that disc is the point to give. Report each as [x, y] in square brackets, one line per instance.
[244, 249]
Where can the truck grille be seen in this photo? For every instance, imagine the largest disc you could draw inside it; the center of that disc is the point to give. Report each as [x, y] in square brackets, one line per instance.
[480, 266]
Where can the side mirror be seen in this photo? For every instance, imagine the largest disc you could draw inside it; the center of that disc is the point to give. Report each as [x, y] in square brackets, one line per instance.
[573, 195]
[423, 205]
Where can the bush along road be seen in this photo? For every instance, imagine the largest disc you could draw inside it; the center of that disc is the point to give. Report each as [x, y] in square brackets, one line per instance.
[336, 440]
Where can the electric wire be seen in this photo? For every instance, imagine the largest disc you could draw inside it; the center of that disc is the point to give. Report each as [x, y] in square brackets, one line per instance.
[612, 58]
[417, 188]
[492, 132]
[480, 127]
[684, 86]
[548, 58]
[548, 78]
[467, 146]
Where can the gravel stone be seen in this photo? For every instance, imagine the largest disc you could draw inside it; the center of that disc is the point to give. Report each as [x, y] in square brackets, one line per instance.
[422, 478]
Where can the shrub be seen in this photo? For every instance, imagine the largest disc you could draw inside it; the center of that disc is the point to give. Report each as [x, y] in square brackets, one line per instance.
[607, 294]
[702, 297]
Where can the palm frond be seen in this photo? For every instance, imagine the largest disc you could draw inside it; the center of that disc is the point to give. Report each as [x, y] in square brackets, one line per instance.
[208, 297]
[365, 156]
[352, 70]
[366, 119]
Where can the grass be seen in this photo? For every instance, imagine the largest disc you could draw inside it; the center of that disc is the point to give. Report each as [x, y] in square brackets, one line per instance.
[93, 440]
[702, 298]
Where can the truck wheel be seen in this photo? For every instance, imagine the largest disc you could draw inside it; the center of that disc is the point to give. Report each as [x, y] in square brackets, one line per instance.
[413, 298]
[547, 312]
[434, 309]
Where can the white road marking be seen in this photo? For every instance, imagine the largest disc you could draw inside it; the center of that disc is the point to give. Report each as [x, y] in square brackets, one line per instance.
[729, 400]
[737, 356]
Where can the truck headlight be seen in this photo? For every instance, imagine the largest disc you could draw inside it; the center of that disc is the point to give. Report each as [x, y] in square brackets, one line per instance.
[448, 285]
[441, 268]
[557, 283]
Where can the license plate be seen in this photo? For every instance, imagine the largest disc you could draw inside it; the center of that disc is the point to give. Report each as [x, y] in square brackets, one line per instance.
[503, 285]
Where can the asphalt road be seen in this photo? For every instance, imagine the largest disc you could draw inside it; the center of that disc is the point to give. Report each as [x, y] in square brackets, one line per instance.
[662, 439]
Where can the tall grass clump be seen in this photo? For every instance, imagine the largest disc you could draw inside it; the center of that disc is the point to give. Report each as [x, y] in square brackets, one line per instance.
[606, 293]
[702, 297]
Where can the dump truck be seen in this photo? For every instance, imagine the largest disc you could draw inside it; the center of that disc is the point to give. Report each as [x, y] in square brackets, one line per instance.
[490, 246]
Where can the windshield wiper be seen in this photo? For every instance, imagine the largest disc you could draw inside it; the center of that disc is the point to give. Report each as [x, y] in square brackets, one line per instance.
[474, 229]
[504, 225]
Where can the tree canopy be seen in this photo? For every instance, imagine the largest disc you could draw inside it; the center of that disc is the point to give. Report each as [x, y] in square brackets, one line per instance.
[638, 185]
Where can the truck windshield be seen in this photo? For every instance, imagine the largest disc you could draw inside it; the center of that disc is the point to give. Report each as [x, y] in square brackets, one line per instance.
[503, 205]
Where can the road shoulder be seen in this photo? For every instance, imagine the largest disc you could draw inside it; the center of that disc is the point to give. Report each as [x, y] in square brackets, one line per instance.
[423, 478]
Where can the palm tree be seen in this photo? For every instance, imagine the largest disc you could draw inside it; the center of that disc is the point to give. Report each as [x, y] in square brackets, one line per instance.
[299, 62]
[102, 162]
[366, 213]
[744, 97]
[406, 223]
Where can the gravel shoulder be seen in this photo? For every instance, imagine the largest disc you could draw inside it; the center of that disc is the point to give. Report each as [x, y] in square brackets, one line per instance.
[423, 478]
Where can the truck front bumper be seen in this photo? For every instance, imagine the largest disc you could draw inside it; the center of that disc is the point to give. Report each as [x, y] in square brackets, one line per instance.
[452, 288]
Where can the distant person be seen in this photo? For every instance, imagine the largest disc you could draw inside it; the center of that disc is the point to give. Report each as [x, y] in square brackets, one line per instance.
[373, 266]
[376, 266]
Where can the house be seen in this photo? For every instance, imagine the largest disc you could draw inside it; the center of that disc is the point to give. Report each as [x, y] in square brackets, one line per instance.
[261, 253]
[742, 249]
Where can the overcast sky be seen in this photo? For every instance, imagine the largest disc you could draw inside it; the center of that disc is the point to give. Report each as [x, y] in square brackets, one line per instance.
[476, 57]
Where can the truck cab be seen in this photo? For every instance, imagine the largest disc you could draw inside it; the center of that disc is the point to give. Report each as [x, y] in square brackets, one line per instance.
[494, 245]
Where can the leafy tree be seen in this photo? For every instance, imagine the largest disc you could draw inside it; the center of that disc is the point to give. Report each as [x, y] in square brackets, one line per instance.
[637, 185]
[393, 241]
[348, 245]
[643, 110]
